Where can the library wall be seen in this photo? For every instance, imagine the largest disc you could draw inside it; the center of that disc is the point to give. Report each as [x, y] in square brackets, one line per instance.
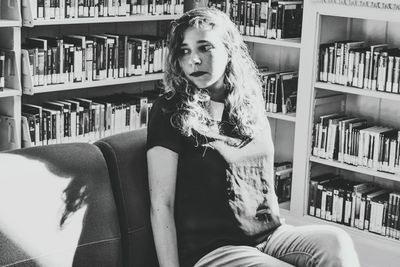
[283, 137]
[278, 58]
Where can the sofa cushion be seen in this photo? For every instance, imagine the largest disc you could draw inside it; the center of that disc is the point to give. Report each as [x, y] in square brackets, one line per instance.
[125, 155]
[42, 186]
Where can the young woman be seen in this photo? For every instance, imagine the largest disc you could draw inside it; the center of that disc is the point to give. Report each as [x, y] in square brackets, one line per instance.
[210, 161]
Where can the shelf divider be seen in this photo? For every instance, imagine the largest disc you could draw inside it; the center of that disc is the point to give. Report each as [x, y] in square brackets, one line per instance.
[358, 169]
[356, 91]
[280, 116]
[294, 42]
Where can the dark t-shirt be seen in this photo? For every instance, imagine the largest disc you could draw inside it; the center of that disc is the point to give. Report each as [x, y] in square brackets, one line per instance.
[220, 198]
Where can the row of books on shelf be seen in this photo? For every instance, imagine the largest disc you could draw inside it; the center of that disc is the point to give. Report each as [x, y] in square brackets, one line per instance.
[279, 90]
[361, 205]
[283, 180]
[84, 119]
[353, 63]
[264, 18]
[355, 141]
[65, 9]
[79, 58]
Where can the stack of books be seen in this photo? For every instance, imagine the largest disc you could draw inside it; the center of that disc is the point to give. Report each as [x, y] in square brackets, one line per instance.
[354, 141]
[65, 9]
[264, 18]
[84, 119]
[280, 90]
[353, 63]
[361, 205]
[79, 58]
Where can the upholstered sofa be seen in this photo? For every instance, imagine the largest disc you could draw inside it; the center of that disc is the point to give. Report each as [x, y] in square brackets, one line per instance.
[99, 191]
[77, 204]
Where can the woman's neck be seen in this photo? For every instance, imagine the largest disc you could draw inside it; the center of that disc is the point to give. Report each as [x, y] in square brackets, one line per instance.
[216, 109]
[217, 95]
[217, 91]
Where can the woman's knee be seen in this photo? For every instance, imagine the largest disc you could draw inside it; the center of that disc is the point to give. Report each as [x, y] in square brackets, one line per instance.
[335, 248]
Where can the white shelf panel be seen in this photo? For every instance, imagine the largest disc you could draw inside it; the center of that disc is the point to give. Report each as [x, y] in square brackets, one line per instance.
[134, 18]
[350, 11]
[82, 85]
[9, 92]
[9, 23]
[280, 116]
[295, 42]
[357, 169]
[356, 91]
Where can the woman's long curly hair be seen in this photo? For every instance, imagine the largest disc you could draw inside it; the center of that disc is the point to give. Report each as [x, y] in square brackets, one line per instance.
[243, 86]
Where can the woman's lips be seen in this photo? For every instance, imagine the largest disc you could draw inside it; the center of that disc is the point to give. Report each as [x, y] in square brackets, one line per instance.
[197, 73]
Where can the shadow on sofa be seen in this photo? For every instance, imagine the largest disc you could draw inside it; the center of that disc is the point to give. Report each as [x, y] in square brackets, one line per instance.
[76, 204]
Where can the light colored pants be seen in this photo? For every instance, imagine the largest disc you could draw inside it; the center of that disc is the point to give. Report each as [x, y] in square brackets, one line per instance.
[301, 246]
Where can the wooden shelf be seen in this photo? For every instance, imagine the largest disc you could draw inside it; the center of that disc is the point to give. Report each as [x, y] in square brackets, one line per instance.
[133, 18]
[359, 12]
[356, 91]
[9, 23]
[295, 42]
[82, 85]
[9, 92]
[280, 116]
[357, 169]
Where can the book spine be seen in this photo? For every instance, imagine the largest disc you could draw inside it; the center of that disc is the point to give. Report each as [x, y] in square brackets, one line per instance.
[396, 75]
[2, 70]
[389, 77]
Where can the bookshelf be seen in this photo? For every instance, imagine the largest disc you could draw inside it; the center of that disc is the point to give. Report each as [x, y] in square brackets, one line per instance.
[122, 24]
[10, 96]
[328, 22]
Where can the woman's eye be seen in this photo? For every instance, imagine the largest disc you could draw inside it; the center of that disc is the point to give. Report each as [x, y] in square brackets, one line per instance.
[206, 48]
[184, 51]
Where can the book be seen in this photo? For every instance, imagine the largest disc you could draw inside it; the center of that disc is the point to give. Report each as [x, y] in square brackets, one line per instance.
[283, 180]
[314, 197]
[369, 216]
[2, 69]
[290, 15]
[288, 82]
[370, 65]
[33, 113]
[378, 213]
[8, 133]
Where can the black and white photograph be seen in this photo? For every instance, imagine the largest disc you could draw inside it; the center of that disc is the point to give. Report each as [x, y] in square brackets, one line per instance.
[199, 133]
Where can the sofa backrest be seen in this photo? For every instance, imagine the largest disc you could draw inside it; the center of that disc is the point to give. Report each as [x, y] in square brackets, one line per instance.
[41, 185]
[125, 155]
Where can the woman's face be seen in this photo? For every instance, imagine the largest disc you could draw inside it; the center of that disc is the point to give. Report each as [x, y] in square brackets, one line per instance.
[203, 58]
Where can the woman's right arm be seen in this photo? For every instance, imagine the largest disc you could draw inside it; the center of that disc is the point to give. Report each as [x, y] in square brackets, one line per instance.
[162, 171]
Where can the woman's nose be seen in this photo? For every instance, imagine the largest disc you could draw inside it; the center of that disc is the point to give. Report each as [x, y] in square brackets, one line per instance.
[196, 60]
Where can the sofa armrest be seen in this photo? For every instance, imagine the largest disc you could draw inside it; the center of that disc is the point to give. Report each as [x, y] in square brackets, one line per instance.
[125, 155]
